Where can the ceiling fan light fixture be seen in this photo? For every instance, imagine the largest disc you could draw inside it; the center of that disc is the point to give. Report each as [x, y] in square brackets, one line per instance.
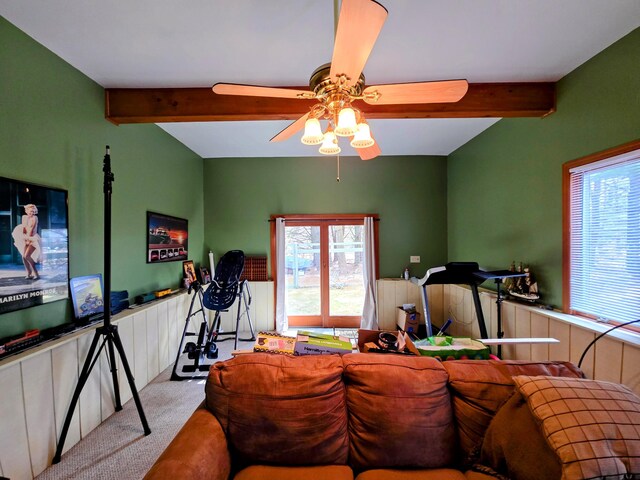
[312, 132]
[362, 138]
[330, 144]
[347, 125]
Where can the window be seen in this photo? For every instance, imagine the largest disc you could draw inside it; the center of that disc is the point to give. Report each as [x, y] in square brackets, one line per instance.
[601, 271]
[323, 269]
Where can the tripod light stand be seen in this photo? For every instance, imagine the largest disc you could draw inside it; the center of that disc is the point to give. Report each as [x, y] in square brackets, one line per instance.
[107, 333]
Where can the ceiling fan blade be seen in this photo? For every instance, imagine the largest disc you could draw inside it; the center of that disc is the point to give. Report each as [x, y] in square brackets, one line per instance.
[369, 153]
[255, 91]
[291, 129]
[421, 92]
[359, 24]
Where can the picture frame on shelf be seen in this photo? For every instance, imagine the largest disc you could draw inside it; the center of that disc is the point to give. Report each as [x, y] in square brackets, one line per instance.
[87, 297]
[189, 273]
[205, 276]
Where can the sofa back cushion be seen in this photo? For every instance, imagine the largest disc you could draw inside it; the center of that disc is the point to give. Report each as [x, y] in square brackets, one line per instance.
[480, 387]
[399, 412]
[281, 410]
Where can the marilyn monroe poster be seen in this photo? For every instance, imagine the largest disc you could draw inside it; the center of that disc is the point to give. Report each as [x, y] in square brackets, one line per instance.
[34, 262]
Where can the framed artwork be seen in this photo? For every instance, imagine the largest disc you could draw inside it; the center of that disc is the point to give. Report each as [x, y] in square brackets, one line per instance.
[167, 238]
[189, 273]
[87, 296]
[205, 276]
[34, 245]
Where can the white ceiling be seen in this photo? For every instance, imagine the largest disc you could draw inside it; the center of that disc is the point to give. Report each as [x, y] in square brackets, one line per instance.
[196, 43]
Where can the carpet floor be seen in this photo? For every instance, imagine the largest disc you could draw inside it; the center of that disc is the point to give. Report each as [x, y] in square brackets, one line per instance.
[117, 448]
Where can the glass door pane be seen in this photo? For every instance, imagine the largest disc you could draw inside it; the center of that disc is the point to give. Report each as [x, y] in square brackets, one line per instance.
[346, 289]
[302, 261]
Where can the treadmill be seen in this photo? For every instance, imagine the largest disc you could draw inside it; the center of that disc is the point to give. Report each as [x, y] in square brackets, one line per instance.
[453, 273]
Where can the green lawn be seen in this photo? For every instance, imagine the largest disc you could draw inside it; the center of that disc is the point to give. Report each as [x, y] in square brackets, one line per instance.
[344, 301]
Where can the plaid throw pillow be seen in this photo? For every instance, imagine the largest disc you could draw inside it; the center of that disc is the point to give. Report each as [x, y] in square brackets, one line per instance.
[593, 426]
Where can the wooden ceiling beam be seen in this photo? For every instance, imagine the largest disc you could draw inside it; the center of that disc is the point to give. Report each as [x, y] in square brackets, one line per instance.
[158, 105]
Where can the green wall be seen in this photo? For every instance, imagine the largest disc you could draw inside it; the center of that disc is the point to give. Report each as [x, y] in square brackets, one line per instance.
[409, 194]
[54, 133]
[505, 186]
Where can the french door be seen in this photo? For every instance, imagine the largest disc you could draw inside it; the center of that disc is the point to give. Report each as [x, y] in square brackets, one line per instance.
[323, 270]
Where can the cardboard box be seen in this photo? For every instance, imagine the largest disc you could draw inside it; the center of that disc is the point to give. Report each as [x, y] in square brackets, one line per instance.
[368, 342]
[312, 343]
[407, 322]
[274, 343]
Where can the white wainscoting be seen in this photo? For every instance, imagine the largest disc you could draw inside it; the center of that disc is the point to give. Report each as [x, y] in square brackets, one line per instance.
[612, 358]
[36, 386]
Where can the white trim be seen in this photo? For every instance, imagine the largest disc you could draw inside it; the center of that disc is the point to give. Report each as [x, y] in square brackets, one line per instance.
[369, 318]
[282, 321]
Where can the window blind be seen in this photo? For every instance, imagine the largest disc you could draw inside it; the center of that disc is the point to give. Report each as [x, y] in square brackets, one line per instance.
[605, 238]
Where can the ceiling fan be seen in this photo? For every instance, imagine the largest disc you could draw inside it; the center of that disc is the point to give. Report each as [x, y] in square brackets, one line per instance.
[338, 84]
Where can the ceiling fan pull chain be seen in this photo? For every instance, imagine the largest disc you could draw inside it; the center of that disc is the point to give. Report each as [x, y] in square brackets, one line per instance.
[338, 164]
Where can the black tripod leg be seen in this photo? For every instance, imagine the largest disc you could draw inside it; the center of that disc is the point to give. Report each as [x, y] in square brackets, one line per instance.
[82, 379]
[114, 373]
[132, 383]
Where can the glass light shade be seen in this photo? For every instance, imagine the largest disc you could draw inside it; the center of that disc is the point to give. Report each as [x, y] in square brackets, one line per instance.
[362, 138]
[312, 132]
[330, 144]
[347, 125]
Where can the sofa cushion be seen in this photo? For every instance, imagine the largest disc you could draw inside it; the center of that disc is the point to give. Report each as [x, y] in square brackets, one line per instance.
[593, 426]
[480, 387]
[323, 472]
[424, 474]
[399, 412]
[532, 459]
[281, 410]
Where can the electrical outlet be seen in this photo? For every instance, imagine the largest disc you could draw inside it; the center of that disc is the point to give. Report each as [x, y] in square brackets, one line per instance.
[414, 259]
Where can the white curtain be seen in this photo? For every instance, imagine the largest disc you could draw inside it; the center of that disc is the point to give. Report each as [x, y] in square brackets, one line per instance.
[282, 323]
[369, 317]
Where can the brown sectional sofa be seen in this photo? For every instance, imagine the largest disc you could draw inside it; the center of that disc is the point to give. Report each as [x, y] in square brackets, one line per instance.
[362, 416]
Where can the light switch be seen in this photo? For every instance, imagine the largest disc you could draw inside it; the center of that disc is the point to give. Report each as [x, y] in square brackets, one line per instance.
[414, 259]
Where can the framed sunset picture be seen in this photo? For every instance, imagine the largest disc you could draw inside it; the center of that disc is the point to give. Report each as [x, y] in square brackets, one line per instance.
[167, 238]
